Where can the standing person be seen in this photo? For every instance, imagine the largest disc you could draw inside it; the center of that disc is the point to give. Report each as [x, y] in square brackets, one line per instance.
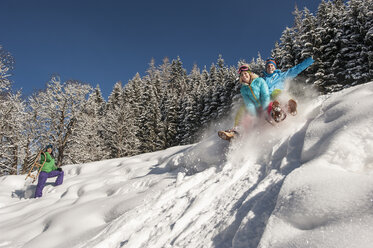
[49, 170]
[255, 94]
[275, 79]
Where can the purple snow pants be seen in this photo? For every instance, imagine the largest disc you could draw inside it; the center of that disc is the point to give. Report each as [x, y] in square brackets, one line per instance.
[43, 176]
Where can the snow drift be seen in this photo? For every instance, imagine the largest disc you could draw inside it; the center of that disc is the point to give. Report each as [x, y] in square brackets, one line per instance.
[306, 183]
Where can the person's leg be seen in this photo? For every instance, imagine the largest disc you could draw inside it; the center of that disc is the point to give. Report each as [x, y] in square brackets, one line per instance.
[269, 109]
[239, 115]
[231, 133]
[59, 179]
[41, 183]
[275, 94]
[59, 175]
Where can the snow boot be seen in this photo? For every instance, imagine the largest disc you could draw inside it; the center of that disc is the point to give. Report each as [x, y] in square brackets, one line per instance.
[277, 113]
[292, 107]
[227, 134]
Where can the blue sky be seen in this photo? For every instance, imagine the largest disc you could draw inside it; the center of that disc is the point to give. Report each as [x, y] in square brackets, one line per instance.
[102, 42]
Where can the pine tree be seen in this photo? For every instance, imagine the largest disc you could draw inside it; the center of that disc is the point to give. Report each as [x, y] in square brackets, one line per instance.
[120, 130]
[213, 96]
[368, 38]
[172, 100]
[89, 142]
[297, 33]
[355, 49]
[329, 32]
[287, 49]
[156, 94]
[194, 106]
[150, 125]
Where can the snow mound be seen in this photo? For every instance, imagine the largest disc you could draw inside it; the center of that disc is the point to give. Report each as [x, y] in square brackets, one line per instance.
[306, 183]
[208, 153]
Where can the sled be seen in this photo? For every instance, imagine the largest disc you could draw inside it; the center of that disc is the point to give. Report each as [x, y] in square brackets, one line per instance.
[37, 166]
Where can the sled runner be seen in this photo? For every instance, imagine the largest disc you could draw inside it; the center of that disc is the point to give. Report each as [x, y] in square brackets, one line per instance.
[37, 166]
[227, 134]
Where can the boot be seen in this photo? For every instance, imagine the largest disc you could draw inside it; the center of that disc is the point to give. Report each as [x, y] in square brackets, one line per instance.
[227, 134]
[292, 107]
[277, 113]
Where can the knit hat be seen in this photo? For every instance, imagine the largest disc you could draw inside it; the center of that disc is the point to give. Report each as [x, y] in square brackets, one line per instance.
[49, 146]
[271, 61]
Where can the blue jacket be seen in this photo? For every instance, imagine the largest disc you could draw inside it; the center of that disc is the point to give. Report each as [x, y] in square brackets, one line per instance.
[276, 80]
[261, 99]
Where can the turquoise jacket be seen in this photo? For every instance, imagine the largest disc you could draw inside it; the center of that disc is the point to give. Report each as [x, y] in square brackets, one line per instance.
[276, 80]
[49, 163]
[260, 100]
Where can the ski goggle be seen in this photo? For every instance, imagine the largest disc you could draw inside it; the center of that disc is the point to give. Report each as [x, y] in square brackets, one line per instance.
[243, 68]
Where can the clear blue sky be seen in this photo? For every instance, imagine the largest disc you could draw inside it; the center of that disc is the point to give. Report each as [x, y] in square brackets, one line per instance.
[102, 42]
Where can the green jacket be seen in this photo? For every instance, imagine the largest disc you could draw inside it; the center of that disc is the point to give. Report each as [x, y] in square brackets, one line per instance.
[49, 164]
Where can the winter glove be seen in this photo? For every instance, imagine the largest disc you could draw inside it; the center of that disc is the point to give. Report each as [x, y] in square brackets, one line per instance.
[59, 169]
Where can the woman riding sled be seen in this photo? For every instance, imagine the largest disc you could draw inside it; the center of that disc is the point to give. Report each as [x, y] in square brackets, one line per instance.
[255, 94]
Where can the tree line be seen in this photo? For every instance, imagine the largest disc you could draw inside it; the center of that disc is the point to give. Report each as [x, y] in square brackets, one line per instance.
[169, 106]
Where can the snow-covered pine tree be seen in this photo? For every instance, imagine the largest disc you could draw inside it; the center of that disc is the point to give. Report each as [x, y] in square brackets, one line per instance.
[204, 99]
[223, 91]
[329, 30]
[175, 93]
[309, 43]
[195, 106]
[367, 26]
[368, 39]
[213, 96]
[89, 142]
[297, 33]
[287, 58]
[189, 119]
[257, 65]
[277, 53]
[150, 125]
[181, 124]
[307, 35]
[154, 79]
[355, 49]
[172, 120]
[120, 129]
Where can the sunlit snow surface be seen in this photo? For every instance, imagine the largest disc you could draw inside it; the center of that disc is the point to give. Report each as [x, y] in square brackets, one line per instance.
[306, 183]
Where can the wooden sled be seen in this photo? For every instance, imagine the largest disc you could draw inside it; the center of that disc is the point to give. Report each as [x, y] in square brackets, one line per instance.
[37, 166]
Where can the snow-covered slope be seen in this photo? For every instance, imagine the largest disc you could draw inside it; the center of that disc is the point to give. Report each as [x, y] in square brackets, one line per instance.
[306, 183]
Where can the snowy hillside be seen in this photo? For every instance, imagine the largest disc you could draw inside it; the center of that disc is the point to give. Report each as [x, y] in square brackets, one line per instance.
[306, 183]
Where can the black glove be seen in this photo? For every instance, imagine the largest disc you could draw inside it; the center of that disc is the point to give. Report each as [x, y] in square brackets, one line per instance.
[59, 169]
